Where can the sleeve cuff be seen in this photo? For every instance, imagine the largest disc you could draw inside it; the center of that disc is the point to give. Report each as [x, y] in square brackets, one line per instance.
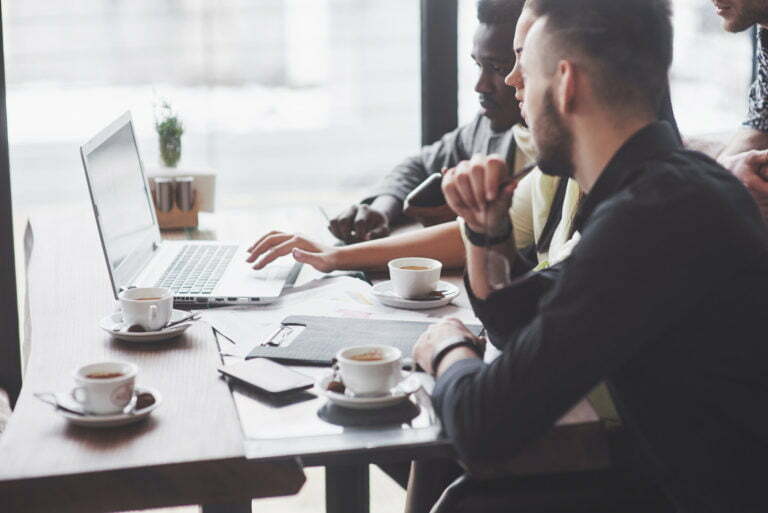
[759, 124]
[447, 381]
[384, 192]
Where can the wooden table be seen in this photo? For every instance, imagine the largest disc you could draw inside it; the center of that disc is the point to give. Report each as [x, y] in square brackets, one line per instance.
[190, 450]
[577, 443]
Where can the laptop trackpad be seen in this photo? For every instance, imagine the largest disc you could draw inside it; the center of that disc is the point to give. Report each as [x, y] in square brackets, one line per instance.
[241, 281]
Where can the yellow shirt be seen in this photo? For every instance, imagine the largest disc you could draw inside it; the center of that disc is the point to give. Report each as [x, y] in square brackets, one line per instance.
[532, 202]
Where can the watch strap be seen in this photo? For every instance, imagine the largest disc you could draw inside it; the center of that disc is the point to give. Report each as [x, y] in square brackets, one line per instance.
[483, 240]
[463, 342]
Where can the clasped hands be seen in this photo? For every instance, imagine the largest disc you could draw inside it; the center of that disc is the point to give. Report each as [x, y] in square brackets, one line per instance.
[480, 191]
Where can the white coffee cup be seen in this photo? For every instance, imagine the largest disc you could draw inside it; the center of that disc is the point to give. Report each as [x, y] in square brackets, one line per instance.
[372, 370]
[149, 307]
[105, 388]
[410, 282]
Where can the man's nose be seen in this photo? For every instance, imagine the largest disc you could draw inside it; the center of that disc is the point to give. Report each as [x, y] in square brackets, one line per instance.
[515, 79]
[483, 84]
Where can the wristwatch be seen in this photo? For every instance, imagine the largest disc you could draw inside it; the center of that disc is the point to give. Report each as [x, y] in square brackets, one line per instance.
[461, 342]
[483, 240]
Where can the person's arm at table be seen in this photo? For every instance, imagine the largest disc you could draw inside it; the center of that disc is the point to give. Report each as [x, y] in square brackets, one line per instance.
[441, 242]
[746, 155]
[477, 191]
[372, 217]
[491, 411]
[745, 139]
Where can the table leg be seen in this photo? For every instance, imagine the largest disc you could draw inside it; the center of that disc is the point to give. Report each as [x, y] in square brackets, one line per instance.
[234, 507]
[347, 489]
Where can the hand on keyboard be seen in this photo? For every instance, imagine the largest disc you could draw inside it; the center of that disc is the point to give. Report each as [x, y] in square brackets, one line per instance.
[276, 244]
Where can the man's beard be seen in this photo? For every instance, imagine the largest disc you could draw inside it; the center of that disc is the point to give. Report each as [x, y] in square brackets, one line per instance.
[751, 12]
[553, 140]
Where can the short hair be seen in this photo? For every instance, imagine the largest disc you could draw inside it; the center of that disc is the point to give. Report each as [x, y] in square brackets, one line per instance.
[628, 43]
[499, 12]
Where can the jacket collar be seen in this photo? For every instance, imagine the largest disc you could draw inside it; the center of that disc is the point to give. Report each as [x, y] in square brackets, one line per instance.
[655, 139]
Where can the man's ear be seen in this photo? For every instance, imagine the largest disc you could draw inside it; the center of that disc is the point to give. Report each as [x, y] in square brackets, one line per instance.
[565, 88]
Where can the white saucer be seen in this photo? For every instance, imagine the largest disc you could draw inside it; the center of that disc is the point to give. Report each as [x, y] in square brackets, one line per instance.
[385, 293]
[119, 419]
[110, 322]
[398, 395]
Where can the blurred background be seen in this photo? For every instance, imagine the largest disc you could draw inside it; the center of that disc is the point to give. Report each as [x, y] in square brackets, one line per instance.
[286, 100]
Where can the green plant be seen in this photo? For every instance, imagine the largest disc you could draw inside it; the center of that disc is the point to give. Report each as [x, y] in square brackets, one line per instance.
[169, 129]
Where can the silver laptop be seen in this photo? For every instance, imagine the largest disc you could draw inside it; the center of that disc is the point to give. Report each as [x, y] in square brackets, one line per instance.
[199, 272]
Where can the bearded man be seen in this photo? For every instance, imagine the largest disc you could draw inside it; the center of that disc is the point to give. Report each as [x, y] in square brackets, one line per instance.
[654, 298]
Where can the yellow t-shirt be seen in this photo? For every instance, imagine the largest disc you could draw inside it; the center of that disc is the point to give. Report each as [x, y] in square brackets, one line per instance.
[532, 202]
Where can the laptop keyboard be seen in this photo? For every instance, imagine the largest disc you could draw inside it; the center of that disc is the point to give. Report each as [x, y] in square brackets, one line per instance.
[197, 268]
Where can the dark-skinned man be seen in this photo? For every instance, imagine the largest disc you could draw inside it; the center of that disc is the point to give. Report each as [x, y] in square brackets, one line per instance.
[489, 132]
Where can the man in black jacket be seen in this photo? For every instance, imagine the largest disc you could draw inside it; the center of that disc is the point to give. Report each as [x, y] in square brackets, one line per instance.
[663, 297]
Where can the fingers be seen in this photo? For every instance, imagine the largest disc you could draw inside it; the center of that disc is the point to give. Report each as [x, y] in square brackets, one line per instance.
[757, 157]
[477, 174]
[341, 226]
[366, 220]
[266, 243]
[378, 233]
[755, 184]
[478, 181]
[276, 252]
[464, 188]
[253, 246]
[496, 172]
[451, 192]
[508, 191]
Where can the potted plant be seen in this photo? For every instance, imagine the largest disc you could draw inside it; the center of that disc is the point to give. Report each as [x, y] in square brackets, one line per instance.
[169, 130]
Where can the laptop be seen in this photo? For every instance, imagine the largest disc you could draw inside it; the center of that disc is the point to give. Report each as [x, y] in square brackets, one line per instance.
[200, 273]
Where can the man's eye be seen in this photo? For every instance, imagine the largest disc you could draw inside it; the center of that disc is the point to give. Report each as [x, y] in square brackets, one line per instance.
[502, 70]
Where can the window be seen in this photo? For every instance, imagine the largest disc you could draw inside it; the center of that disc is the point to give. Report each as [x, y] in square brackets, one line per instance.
[286, 100]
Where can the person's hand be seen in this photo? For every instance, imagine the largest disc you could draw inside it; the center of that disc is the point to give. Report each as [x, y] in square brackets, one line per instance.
[439, 335]
[359, 223]
[276, 244]
[751, 168]
[478, 191]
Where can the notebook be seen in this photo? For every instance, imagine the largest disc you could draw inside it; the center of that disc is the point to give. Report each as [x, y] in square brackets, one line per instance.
[323, 337]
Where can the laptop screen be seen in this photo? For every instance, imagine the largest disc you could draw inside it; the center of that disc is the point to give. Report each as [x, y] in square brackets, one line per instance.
[122, 204]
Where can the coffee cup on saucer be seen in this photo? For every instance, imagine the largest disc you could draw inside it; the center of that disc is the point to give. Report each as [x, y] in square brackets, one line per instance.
[105, 388]
[414, 277]
[148, 307]
[372, 370]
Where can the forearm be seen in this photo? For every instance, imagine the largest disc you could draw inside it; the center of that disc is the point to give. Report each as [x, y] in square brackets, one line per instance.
[442, 242]
[746, 139]
[711, 146]
[484, 268]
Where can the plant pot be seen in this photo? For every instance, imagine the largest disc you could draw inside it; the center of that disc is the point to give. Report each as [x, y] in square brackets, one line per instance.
[170, 150]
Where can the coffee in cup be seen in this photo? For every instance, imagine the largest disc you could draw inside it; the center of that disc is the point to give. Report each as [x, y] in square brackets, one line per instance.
[414, 277]
[148, 307]
[105, 388]
[104, 375]
[372, 370]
